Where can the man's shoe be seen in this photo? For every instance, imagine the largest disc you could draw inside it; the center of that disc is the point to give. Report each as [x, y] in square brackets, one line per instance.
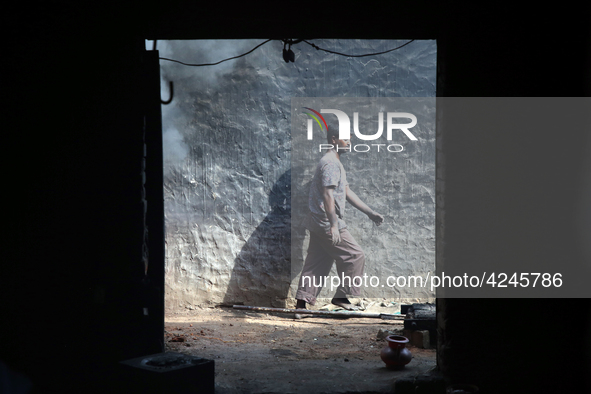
[300, 304]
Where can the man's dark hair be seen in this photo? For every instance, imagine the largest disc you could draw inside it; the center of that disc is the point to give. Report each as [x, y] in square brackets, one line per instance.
[332, 132]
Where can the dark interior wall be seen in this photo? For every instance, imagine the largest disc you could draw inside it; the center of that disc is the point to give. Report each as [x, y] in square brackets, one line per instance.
[73, 286]
[72, 281]
[502, 196]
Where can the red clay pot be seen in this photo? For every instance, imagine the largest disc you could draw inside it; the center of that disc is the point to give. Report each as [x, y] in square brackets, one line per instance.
[396, 355]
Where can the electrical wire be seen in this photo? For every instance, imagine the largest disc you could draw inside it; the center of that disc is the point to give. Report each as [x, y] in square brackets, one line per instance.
[343, 54]
[221, 61]
[286, 42]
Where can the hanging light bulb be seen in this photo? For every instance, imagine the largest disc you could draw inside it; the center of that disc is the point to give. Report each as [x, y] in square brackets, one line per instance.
[285, 55]
[288, 54]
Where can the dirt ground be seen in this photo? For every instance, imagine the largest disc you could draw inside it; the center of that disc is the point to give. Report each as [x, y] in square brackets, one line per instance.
[257, 352]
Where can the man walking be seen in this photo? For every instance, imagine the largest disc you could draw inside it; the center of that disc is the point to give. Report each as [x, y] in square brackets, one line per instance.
[330, 239]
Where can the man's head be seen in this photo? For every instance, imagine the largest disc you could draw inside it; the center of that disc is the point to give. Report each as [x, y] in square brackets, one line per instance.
[332, 137]
[332, 134]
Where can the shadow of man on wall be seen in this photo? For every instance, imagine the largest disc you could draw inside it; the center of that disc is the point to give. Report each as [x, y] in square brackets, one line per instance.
[262, 270]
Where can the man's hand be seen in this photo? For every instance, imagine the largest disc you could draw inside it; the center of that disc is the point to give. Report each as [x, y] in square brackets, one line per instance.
[376, 218]
[335, 234]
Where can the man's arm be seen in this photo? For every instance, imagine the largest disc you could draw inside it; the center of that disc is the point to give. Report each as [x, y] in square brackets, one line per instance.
[331, 213]
[357, 203]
